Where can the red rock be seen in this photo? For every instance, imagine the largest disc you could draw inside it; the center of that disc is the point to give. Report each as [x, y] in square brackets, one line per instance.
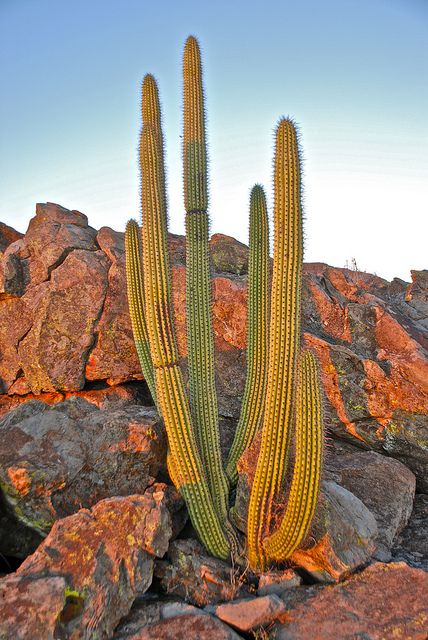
[56, 459]
[251, 613]
[228, 255]
[89, 559]
[54, 351]
[384, 601]
[7, 236]
[185, 627]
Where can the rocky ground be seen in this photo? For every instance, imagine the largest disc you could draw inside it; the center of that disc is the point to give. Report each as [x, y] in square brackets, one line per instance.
[94, 540]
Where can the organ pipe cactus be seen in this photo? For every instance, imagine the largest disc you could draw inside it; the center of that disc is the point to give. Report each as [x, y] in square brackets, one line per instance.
[200, 338]
[257, 336]
[282, 393]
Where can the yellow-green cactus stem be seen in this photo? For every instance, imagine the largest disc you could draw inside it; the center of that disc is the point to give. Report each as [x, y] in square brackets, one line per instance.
[184, 457]
[200, 337]
[135, 288]
[253, 400]
[284, 335]
[305, 484]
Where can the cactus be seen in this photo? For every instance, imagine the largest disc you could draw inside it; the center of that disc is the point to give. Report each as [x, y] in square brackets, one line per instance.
[135, 289]
[184, 458]
[278, 393]
[283, 340]
[200, 338]
[305, 482]
[253, 399]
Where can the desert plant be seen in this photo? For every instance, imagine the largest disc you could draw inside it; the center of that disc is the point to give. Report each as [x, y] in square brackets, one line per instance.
[277, 397]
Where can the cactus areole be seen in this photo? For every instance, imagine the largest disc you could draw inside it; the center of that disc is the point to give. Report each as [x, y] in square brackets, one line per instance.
[282, 397]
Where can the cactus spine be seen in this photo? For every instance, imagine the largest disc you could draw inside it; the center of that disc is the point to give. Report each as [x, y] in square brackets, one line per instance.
[200, 338]
[257, 335]
[184, 456]
[283, 340]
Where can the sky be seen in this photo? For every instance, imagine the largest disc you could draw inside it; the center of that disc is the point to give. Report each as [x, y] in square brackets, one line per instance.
[352, 73]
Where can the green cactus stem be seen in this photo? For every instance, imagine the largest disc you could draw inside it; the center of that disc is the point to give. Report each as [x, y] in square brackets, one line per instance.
[184, 459]
[135, 289]
[305, 484]
[284, 335]
[200, 337]
[251, 415]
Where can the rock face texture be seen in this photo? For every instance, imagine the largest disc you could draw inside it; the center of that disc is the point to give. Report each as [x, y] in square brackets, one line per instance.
[384, 601]
[91, 558]
[57, 459]
[64, 324]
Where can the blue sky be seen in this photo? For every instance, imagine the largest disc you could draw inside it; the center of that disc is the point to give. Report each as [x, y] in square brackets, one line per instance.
[353, 73]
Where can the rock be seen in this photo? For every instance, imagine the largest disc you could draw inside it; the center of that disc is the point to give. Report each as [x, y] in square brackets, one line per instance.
[275, 582]
[228, 255]
[341, 538]
[113, 356]
[189, 572]
[411, 545]
[7, 236]
[251, 613]
[184, 627]
[384, 601]
[53, 353]
[56, 459]
[62, 291]
[102, 397]
[386, 487]
[89, 559]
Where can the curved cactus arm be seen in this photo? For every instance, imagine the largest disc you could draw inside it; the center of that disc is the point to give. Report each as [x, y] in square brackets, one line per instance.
[251, 415]
[200, 337]
[135, 289]
[284, 335]
[184, 456]
[305, 484]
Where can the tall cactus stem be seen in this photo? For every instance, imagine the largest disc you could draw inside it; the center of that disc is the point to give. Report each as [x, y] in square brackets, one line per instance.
[251, 415]
[284, 335]
[305, 484]
[200, 337]
[184, 456]
[135, 290]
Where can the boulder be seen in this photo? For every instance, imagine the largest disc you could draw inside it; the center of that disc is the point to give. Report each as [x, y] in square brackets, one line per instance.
[384, 485]
[190, 573]
[383, 601]
[56, 459]
[85, 576]
[341, 539]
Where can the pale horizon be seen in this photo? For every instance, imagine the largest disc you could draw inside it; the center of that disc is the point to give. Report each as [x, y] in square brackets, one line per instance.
[352, 75]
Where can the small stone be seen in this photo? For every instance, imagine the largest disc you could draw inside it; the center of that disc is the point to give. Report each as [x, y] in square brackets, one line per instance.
[275, 582]
[251, 613]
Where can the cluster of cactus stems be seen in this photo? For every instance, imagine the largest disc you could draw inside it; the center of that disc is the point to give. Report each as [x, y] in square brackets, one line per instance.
[282, 392]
